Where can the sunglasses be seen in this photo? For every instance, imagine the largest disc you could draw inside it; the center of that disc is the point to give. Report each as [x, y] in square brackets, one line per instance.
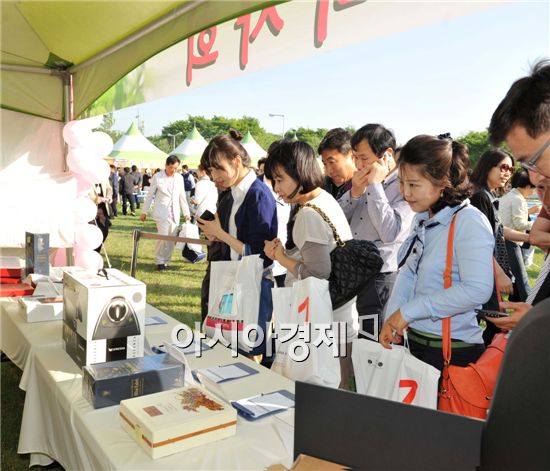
[506, 168]
[531, 163]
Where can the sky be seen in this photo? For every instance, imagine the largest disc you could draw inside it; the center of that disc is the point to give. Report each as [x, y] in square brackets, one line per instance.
[446, 77]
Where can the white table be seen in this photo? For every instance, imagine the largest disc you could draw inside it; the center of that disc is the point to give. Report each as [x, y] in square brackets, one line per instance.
[58, 423]
[21, 339]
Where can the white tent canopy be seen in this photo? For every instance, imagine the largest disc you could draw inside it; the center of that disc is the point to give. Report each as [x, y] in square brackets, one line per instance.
[138, 150]
[254, 149]
[191, 149]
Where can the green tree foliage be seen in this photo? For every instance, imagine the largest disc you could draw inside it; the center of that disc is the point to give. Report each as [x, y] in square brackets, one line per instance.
[477, 142]
[107, 127]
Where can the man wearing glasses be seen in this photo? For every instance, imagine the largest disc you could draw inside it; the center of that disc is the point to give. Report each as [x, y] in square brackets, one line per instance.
[522, 119]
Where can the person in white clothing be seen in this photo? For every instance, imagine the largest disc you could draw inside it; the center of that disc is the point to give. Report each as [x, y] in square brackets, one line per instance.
[297, 178]
[168, 191]
[206, 193]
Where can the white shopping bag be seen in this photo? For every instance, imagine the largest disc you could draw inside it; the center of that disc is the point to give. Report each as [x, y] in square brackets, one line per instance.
[303, 308]
[234, 300]
[394, 374]
[189, 231]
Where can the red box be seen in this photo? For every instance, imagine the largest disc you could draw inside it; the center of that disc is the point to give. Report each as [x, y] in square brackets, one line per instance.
[18, 289]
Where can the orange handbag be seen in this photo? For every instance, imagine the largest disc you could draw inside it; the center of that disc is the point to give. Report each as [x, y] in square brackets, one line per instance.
[468, 390]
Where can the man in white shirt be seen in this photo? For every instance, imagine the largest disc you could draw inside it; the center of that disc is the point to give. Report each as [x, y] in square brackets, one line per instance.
[168, 190]
[206, 193]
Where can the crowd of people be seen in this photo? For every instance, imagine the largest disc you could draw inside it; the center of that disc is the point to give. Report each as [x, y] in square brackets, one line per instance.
[412, 202]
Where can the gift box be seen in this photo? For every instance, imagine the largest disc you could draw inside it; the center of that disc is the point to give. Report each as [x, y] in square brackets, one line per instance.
[15, 289]
[41, 308]
[10, 267]
[106, 384]
[176, 420]
[37, 247]
[103, 316]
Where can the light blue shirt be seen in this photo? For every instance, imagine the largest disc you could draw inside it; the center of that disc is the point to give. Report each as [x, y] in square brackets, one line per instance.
[419, 291]
[382, 216]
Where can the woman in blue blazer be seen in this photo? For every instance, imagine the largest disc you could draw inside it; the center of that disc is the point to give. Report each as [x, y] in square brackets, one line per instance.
[253, 216]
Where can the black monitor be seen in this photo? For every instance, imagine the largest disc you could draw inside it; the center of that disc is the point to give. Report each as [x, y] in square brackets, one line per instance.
[363, 432]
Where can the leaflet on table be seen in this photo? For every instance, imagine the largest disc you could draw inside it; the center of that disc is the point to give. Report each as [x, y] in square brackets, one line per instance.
[154, 320]
[221, 374]
[255, 407]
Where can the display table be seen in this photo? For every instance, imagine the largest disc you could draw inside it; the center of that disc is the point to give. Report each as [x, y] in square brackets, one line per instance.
[58, 423]
[20, 340]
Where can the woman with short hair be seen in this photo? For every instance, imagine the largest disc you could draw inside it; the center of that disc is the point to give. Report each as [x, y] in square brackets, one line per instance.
[292, 167]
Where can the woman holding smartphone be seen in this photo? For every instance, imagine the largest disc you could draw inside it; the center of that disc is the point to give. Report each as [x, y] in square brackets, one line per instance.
[434, 179]
[253, 214]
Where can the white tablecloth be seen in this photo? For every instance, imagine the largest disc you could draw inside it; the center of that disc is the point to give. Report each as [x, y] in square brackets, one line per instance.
[59, 423]
[21, 339]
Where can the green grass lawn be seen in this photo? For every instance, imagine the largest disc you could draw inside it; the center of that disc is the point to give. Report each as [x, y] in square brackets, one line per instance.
[175, 291]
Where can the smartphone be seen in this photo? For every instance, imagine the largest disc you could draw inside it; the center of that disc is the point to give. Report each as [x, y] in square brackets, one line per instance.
[207, 216]
[488, 313]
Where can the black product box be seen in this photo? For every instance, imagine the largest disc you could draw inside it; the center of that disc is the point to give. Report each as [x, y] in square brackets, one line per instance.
[37, 248]
[106, 384]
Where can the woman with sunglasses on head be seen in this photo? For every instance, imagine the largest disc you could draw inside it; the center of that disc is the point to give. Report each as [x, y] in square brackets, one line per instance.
[491, 173]
[434, 180]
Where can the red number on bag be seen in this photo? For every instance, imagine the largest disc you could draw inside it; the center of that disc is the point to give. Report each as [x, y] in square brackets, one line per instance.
[409, 383]
[304, 307]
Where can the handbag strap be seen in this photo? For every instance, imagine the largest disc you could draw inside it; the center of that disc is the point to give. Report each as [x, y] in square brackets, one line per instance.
[447, 283]
[328, 221]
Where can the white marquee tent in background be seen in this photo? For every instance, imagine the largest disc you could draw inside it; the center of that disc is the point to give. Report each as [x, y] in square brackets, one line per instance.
[136, 149]
[254, 149]
[191, 149]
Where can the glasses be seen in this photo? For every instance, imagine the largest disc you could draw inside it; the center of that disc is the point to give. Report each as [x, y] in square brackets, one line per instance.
[531, 164]
[506, 168]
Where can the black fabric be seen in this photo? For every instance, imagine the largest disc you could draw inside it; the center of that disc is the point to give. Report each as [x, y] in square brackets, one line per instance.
[336, 191]
[516, 435]
[521, 283]
[434, 355]
[371, 301]
[543, 292]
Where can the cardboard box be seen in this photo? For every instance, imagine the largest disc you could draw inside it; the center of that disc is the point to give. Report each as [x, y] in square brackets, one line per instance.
[41, 308]
[37, 248]
[176, 420]
[104, 317]
[107, 384]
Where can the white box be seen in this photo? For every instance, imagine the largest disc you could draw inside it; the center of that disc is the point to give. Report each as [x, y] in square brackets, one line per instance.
[104, 317]
[176, 420]
[41, 308]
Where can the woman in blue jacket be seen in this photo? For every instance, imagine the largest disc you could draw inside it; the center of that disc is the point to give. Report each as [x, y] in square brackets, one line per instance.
[434, 181]
[253, 215]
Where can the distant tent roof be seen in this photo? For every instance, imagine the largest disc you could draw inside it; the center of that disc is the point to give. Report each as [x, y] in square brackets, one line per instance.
[137, 149]
[254, 149]
[191, 149]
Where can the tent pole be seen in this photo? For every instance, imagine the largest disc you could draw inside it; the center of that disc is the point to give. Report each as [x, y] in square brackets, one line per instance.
[67, 116]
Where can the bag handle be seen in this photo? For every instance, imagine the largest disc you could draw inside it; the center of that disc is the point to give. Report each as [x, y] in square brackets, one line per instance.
[328, 221]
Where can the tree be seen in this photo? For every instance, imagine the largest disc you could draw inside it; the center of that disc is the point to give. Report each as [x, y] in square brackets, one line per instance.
[107, 127]
[477, 143]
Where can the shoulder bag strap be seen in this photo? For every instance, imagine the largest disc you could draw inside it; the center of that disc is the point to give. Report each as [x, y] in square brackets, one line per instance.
[328, 221]
[447, 283]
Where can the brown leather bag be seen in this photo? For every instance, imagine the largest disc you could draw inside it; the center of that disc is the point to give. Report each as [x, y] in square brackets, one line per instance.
[468, 390]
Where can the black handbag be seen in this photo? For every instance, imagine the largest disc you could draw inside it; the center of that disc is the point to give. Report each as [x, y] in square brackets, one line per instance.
[354, 264]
